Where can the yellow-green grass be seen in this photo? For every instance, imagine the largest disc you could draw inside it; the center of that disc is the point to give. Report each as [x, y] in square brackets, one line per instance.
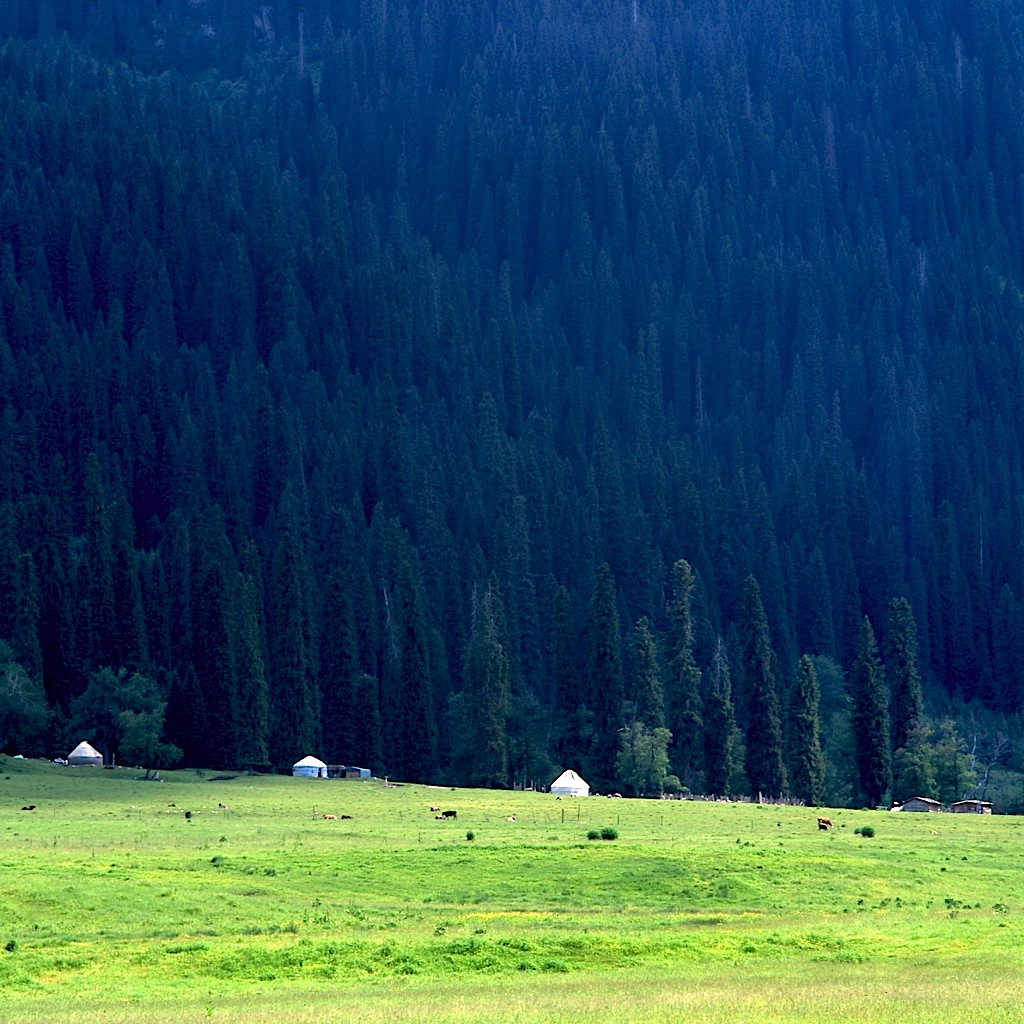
[264, 910]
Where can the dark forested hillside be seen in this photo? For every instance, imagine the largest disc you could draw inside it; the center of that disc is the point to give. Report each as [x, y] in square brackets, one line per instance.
[470, 388]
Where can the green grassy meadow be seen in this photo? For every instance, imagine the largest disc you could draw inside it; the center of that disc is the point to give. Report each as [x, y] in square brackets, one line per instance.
[262, 910]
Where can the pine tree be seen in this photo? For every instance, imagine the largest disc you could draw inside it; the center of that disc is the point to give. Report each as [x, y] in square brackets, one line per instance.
[648, 694]
[214, 667]
[485, 699]
[766, 772]
[913, 764]
[97, 587]
[869, 719]
[572, 725]
[366, 744]
[807, 763]
[339, 666]
[604, 677]
[416, 733]
[251, 674]
[901, 671]
[294, 696]
[684, 710]
[719, 726]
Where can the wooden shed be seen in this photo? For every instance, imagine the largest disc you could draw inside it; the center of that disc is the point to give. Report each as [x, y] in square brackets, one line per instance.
[920, 803]
[971, 807]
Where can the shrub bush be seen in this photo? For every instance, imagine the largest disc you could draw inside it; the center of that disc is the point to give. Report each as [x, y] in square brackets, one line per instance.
[609, 833]
[470, 837]
[867, 831]
[593, 834]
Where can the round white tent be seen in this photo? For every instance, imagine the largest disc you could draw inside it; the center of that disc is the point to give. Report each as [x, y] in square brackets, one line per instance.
[86, 754]
[310, 767]
[570, 784]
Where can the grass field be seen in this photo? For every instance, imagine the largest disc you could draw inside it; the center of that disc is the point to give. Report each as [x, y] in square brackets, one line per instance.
[262, 910]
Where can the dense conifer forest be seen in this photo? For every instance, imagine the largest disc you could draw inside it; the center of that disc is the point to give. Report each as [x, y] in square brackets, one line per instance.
[469, 389]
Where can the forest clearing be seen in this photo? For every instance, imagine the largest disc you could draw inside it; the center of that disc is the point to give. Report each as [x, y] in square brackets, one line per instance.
[266, 903]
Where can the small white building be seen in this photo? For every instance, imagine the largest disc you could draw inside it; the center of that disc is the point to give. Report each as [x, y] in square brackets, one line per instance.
[85, 754]
[310, 767]
[570, 784]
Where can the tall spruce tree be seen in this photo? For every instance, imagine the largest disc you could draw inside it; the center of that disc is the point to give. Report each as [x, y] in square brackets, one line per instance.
[416, 734]
[648, 693]
[294, 695]
[869, 719]
[684, 704]
[905, 701]
[251, 673]
[766, 772]
[572, 726]
[719, 726]
[485, 699]
[806, 761]
[604, 677]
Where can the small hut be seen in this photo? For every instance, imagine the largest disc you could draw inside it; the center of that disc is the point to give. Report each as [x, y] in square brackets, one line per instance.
[310, 767]
[85, 754]
[971, 807]
[570, 784]
[920, 803]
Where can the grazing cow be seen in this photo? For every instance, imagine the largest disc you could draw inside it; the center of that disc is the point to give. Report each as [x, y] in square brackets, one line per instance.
[330, 817]
[824, 824]
[29, 807]
[188, 815]
[224, 807]
[435, 810]
[449, 814]
[438, 817]
[346, 817]
[172, 805]
[511, 817]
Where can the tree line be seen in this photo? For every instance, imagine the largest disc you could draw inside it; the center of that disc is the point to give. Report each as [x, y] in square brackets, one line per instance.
[370, 405]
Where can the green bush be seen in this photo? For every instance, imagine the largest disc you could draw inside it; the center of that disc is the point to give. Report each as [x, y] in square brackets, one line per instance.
[470, 837]
[867, 831]
[593, 834]
[609, 833]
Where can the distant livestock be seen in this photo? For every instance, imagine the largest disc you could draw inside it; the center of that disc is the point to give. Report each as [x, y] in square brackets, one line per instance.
[346, 817]
[435, 810]
[449, 814]
[511, 817]
[188, 815]
[824, 824]
[330, 817]
[29, 807]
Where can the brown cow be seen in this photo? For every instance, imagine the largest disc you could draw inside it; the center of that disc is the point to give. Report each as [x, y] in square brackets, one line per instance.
[330, 817]
[825, 823]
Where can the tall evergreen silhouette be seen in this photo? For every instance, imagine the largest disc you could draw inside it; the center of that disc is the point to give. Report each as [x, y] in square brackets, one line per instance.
[869, 718]
[766, 772]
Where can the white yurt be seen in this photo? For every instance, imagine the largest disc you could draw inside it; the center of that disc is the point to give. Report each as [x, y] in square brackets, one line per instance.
[86, 754]
[570, 784]
[310, 767]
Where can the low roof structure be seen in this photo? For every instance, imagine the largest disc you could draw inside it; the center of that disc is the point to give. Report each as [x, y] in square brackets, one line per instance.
[86, 754]
[570, 784]
[971, 807]
[310, 767]
[920, 803]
